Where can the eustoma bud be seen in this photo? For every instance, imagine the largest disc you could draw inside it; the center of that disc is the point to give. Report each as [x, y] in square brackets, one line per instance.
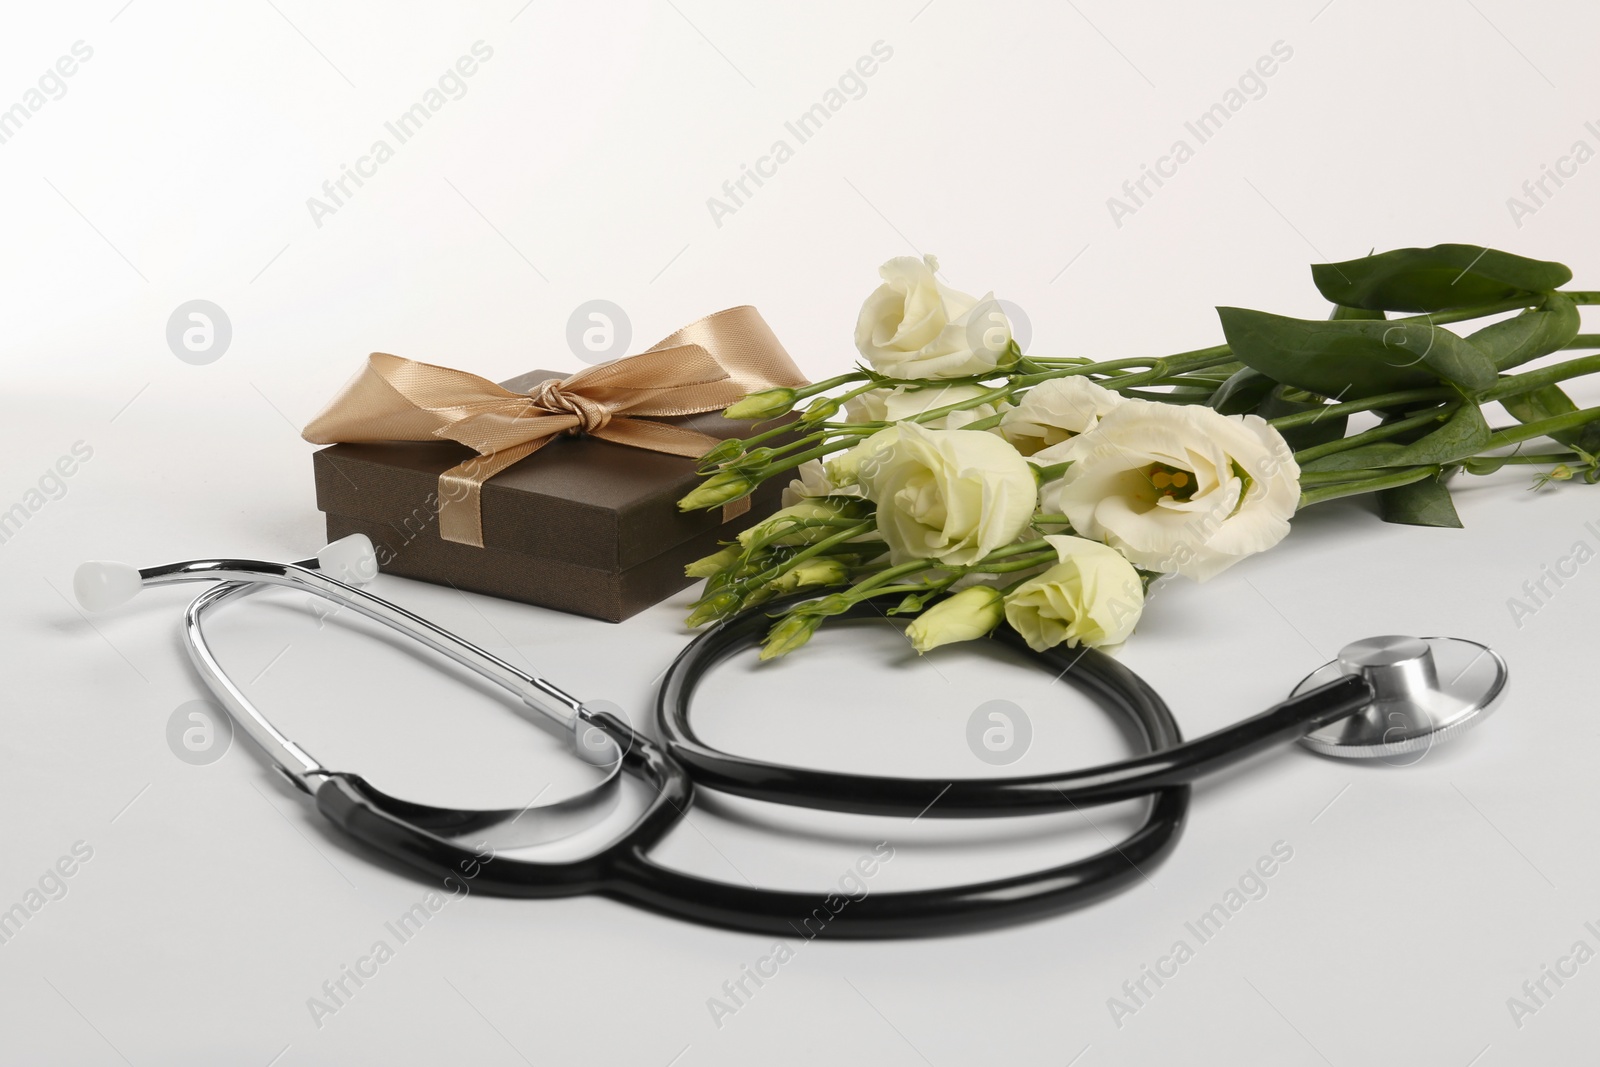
[966, 616]
[706, 566]
[720, 453]
[820, 409]
[713, 607]
[812, 572]
[784, 527]
[790, 633]
[767, 404]
[718, 490]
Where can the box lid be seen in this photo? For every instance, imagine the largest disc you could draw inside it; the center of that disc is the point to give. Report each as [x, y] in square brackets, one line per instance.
[578, 500]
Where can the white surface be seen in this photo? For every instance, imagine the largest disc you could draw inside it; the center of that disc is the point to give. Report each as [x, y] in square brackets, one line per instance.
[577, 166]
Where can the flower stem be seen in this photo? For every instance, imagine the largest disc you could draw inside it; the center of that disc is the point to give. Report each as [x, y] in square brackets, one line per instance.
[1527, 381]
[1021, 563]
[1377, 433]
[1510, 435]
[1392, 480]
[1383, 400]
[830, 383]
[1516, 303]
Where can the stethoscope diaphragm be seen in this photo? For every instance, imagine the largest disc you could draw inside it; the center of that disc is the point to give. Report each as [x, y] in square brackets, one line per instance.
[1426, 690]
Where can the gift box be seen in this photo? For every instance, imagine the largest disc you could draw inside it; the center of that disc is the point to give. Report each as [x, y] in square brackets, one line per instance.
[583, 524]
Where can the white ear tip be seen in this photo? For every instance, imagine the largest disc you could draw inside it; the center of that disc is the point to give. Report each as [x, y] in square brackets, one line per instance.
[101, 585]
[350, 559]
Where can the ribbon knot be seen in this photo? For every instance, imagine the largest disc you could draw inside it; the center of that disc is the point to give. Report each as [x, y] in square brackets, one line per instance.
[592, 415]
[705, 366]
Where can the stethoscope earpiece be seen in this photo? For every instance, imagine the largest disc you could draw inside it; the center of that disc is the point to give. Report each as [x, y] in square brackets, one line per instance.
[1426, 690]
[103, 584]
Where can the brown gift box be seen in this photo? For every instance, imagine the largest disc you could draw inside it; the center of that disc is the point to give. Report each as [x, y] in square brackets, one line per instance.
[582, 525]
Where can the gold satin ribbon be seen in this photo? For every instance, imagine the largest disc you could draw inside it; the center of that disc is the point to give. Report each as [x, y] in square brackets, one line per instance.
[705, 366]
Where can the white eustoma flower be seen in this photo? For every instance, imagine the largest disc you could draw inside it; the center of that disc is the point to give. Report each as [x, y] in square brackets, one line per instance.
[1093, 597]
[1176, 487]
[915, 326]
[902, 402]
[812, 480]
[1055, 410]
[947, 495]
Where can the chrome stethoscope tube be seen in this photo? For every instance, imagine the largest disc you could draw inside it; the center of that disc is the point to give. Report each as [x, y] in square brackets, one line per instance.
[238, 576]
[556, 710]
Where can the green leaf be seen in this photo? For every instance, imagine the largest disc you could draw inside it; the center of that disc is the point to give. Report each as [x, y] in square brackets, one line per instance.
[1340, 313]
[1536, 332]
[1464, 434]
[1424, 503]
[1546, 403]
[1350, 359]
[1242, 392]
[1436, 279]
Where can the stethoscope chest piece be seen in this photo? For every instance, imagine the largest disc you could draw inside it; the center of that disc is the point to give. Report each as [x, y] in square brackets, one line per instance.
[1426, 691]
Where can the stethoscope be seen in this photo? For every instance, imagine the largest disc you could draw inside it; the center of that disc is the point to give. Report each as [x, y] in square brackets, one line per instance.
[1388, 698]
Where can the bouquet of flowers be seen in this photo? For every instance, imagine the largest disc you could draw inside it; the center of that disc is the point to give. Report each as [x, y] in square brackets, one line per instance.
[974, 485]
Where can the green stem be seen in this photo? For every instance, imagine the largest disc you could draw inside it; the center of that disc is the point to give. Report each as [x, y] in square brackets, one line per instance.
[1385, 400]
[830, 383]
[1582, 296]
[1335, 477]
[1036, 545]
[1024, 563]
[1377, 433]
[1516, 303]
[765, 435]
[1537, 459]
[804, 554]
[882, 577]
[1510, 435]
[1367, 485]
[1192, 396]
[1538, 379]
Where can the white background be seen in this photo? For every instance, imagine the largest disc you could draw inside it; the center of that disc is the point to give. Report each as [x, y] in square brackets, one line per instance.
[577, 166]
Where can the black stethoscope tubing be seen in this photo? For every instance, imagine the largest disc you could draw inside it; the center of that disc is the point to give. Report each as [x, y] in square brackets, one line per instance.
[624, 870]
[1171, 762]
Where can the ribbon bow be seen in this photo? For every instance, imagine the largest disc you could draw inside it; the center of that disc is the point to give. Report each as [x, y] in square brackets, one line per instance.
[705, 366]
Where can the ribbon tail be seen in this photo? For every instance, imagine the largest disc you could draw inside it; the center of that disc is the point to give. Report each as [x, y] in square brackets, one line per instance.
[461, 492]
[657, 437]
